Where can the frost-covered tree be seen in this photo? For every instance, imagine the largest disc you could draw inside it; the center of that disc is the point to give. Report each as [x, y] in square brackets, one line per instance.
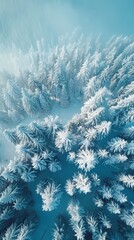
[127, 180]
[25, 230]
[106, 192]
[51, 196]
[40, 187]
[103, 219]
[58, 233]
[39, 163]
[6, 212]
[22, 202]
[117, 194]
[86, 160]
[102, 154]
[53, 125]
[92, 224]
[94, 116]
[26, 150]
[99, 235]
[77, 222]
[129, 132]
[24, 133]
[103, 129]
[18, 165]
[64, 98]
[96, 179]
[54, 165]
[10, 175]
[79, 229]
[28, 175]
[10, 194]
[117, 144]
[59, 229]
[71, 156]
[70, 187]
[130, 148]
[113, 207]
[96, 101]
[12, 232]
[128, 217]
[75, 211]
[39, 129]
[12, 136]
[98, 202]
[82, 183]
[44, 100]
[28, 103]
[64, 140]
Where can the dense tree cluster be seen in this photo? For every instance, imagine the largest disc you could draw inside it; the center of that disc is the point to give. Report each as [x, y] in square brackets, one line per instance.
[98, 142]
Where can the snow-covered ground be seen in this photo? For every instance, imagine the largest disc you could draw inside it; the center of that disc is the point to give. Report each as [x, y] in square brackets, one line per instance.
[64, 114]
[7, 150]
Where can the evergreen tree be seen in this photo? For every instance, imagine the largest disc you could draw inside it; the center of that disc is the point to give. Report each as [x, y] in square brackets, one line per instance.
[51, 196]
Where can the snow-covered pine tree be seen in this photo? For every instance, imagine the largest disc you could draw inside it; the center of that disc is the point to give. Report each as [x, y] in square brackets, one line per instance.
[76, 221]
[59, 229]
[12, 136]
[127, 216]
[64, 140]
[9, 194]
[102, 76]
[51, 196]
[82, 183]
[12, 232]
[70, 187]
[86, 160]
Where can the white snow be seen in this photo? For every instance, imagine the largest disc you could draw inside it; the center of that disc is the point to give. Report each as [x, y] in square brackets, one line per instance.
[7, 150]
[64, 114]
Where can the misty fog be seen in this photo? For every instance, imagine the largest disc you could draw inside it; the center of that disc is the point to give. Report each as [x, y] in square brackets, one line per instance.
[24, 22]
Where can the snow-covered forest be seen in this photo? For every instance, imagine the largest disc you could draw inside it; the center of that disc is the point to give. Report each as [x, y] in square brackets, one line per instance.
[72, 179]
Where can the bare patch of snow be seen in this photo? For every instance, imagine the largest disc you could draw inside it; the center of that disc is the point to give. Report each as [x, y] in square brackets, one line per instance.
[65, 114]
[7, 150]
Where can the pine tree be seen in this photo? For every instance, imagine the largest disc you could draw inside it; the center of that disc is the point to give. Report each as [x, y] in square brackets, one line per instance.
[39, 163]
[86, 160]
[9, 194]
[12, 136]
[127, 180]
[51, 196]
[113, 207]
[128, 217]
[59, 229]
[70, 187]
[64, 140]
[28, 175]
[82, 183]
